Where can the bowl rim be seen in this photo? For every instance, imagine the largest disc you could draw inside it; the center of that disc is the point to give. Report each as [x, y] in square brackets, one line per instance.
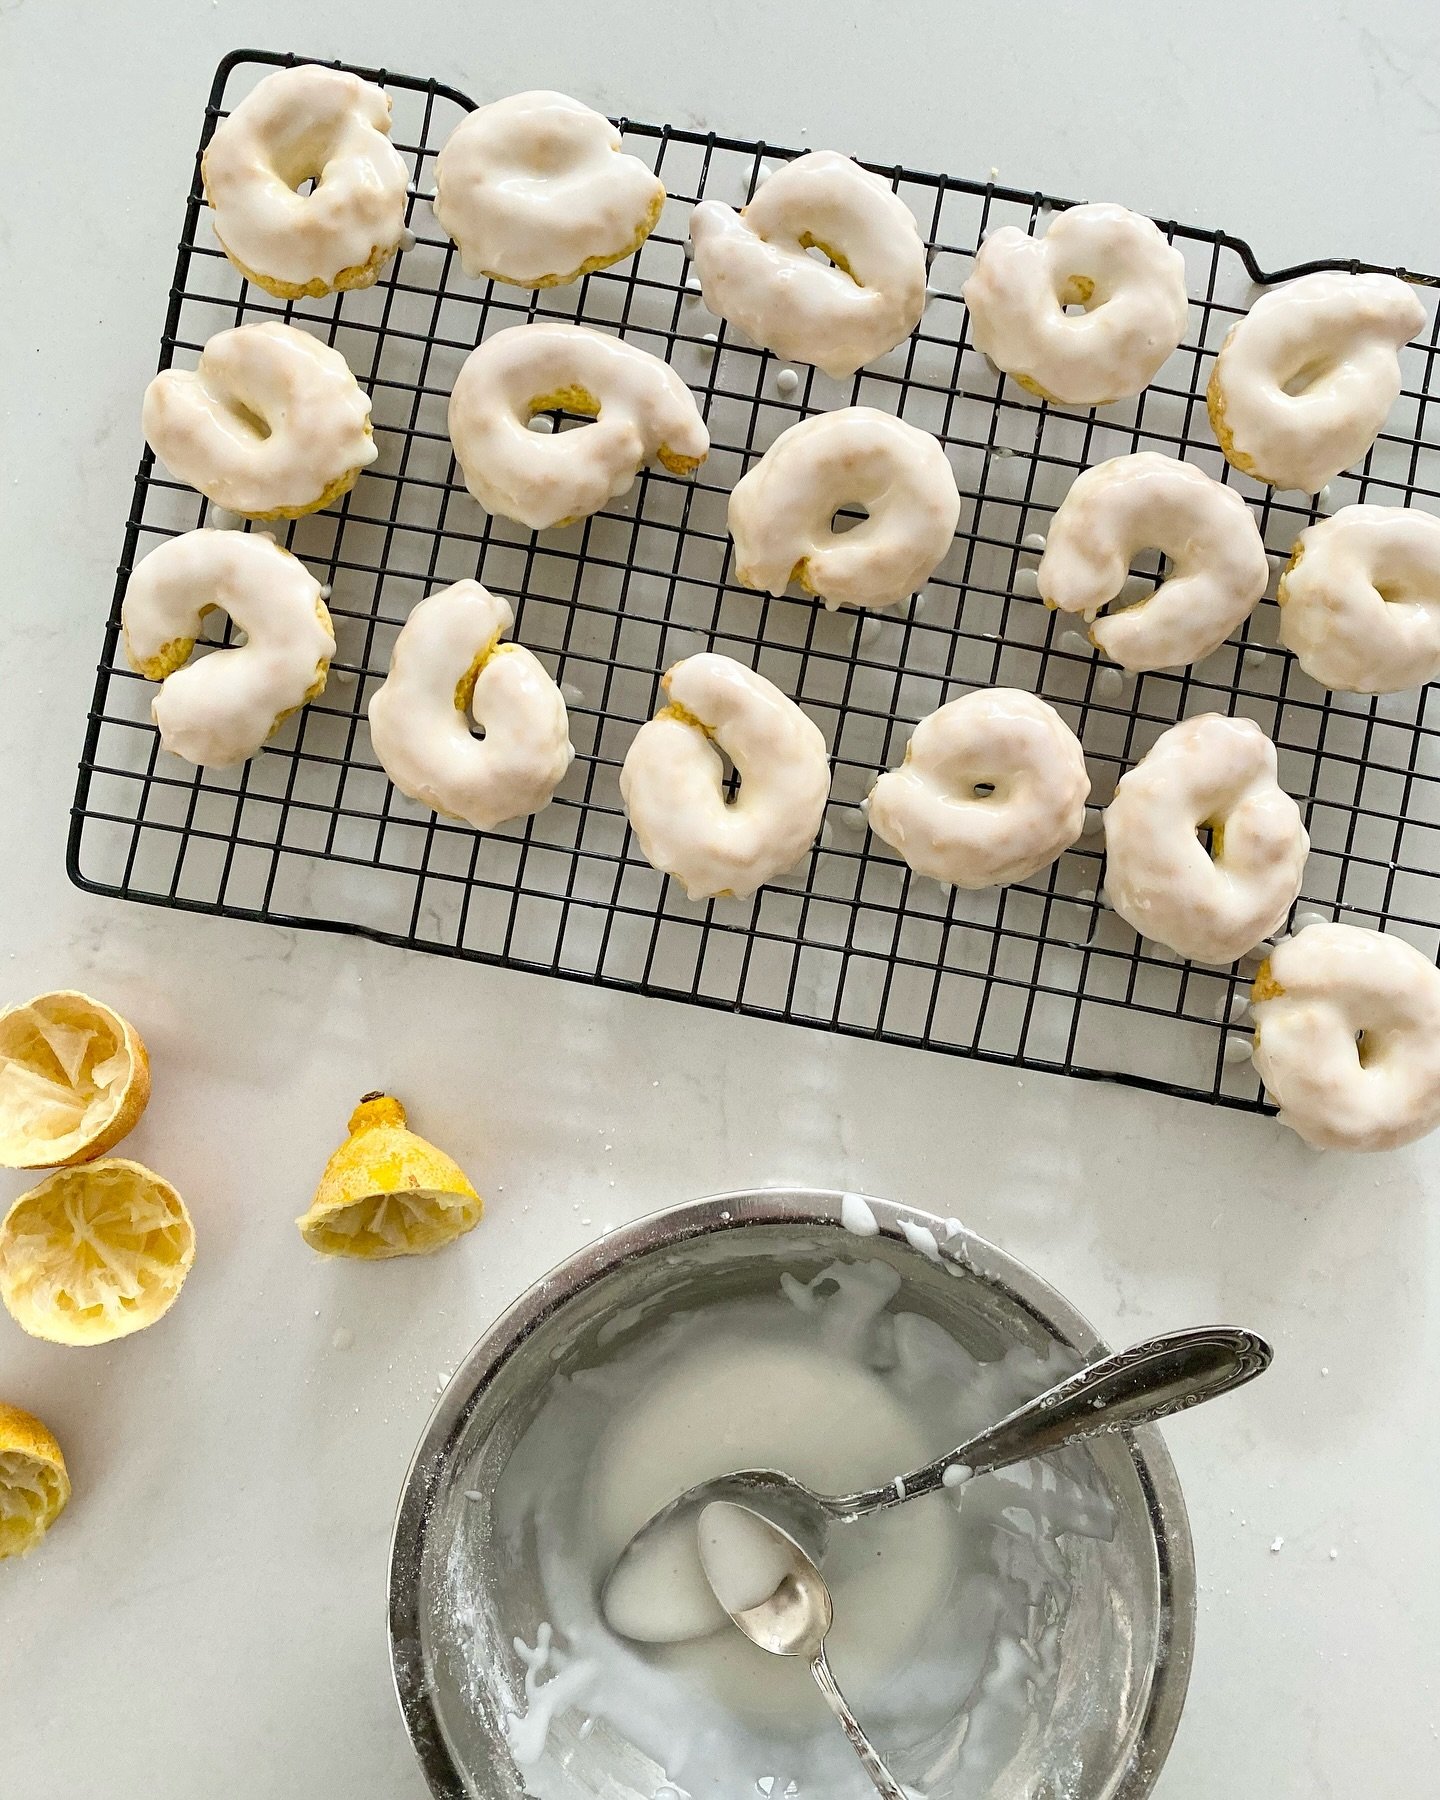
[782, 1205]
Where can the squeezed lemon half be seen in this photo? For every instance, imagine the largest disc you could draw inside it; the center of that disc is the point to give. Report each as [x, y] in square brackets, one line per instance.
[74, 1079]
[387, 1192]
[34, 1484]
[94, 1253]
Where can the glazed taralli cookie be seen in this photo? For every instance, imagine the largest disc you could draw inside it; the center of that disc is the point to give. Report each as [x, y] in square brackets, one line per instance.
[220, 709]
[1360, 600]
[992, 790]
[1304, 381]
[642, 412]
[1112, 262]
[271, 424]
[754, 270]
[448, 661]
[1210, 774]
[781, 512]
[535, 190]
[1347, 1037]
[673, 780]
[1218, 567]
[299, 125]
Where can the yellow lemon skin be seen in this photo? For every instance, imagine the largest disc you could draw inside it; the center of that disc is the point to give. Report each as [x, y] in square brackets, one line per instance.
[34, 1482]
[387, 1192]
[74, 1080]
[94, 1253]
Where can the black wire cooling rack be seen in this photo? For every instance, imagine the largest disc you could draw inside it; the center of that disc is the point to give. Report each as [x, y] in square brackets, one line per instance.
[310, 832]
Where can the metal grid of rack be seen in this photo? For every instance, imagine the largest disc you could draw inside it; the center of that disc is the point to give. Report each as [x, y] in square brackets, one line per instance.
[310, 832]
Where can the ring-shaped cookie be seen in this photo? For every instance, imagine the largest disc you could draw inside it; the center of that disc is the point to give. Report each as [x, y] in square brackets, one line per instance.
[1304, 381]
[301, 125]
[1113, 511]
[1347, 1037]
[991, 791]
[642, 412]
[447, 663]
[1360, 600]
[781, 513]
[535, 190]
[1112, 263]
[673, 780]
[271, 423]
[755, 271]
[1216, 776]
[220, 709]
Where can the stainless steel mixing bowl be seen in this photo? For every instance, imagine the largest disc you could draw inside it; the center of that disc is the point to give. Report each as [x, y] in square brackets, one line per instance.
[1127, 1631]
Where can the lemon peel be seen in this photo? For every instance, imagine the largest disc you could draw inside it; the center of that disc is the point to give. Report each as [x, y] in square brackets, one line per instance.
[74, 1080]
[34, 1482]
[387, 1192]
[94, 1253]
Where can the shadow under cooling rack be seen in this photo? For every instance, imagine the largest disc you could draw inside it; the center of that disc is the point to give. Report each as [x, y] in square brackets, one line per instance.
[310, 832]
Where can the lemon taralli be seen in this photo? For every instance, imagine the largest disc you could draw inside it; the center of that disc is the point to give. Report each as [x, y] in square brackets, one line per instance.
[94, 1253]
[34, 1483]
[387, 1192]
[74, 1080]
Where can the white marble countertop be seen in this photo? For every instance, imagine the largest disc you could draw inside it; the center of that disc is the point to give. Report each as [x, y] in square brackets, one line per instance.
[209, 1617]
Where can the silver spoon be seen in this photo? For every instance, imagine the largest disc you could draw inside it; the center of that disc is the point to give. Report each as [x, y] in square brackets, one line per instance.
[778, 1598]
[656, 1593]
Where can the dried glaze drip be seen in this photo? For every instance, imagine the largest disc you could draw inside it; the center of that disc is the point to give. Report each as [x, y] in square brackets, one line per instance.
[1304, 381]
[1360, 600]
[271, 423]
[642, 412]
[448, 659]
[1115, 510]
[992, 789]
[673, 780]
[781, 513]
[755, 271]
[1111, 262]
[536, 191]
[1206, 775]
[1347, 1037]
[220, 709]
[300, 125]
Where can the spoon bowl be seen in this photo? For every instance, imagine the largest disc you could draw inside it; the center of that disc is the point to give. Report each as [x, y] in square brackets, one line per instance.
[764, 1580]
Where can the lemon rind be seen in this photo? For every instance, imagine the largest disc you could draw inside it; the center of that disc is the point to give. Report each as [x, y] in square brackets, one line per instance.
[132, 1095]
[52, 1323]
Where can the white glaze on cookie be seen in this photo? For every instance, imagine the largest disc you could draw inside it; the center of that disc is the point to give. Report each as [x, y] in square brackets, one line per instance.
[220, 709]
[1347, 1037]
[1210, 906]
[642, 412]
[1112, 262]
[781, 512]
[1360, 601]
[1113, 511]
[992, 789]
[271, 423]
[1304, 381]
[754, 270]
[535, 190]
[673, 780]
[448, 662]
[302, 124]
